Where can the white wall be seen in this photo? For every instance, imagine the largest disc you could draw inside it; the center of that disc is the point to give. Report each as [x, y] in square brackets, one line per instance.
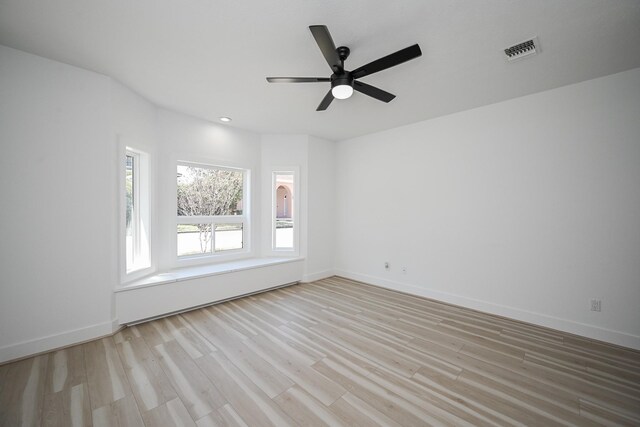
[526, 208]
[58, 258]
[321, 209]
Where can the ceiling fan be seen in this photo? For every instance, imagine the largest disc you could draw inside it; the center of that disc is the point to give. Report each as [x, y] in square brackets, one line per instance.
[344, 82]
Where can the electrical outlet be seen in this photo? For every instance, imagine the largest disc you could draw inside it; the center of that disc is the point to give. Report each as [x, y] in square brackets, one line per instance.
[386, 265]
[596, 305]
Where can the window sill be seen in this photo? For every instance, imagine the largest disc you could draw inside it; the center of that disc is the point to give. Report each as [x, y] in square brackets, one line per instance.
[189, 273]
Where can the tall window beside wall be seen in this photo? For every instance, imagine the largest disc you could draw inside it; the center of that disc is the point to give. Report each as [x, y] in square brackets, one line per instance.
[136, 203]
[211, 210]
[285, 210]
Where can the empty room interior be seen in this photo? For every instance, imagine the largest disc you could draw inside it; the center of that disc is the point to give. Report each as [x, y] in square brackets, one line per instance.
[342, 213]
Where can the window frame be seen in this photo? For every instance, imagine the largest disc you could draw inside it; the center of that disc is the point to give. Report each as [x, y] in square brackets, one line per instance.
[141, 216]
[212, 220]
[295, 203]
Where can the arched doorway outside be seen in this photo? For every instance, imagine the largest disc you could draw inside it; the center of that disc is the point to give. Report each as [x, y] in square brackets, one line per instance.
[283, 202]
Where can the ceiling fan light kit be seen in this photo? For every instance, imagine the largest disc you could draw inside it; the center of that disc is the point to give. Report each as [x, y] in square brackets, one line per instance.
[342, 87]
[344, 82]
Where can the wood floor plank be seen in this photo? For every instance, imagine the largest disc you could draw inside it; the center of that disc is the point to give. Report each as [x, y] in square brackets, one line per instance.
[453, 408]
[128, 333]
[393, 405]
[170, 414]
[223, 417]
[68, 407]
[306, 410]
[269, 379]
[357, 412]
[503, 370]
[606, 382]
[324, 389]
[274, 335]
[21, 398]
[401, 349]
[270, 303]
[255, 407]
[203, 345]
[602, 415]
[149, 383]
[326, 346]
[198, 394]
[105, 375]
[608, 351]
[192, 342]
[366, 347]
[295, 315]
[3, 373]
[228, 315]
[155, 332]
[486, 388]
[65, 369]
[121, 413]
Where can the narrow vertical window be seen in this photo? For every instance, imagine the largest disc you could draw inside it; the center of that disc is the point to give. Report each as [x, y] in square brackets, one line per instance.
[136, 219]
[284, 210]
[131, 235]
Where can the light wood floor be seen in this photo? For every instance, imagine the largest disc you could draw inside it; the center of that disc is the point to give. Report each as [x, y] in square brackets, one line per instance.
[334, 352]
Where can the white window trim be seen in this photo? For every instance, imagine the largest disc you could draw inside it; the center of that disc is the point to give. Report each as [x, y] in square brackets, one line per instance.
[244, 219]
[142, 215]
[286, 170]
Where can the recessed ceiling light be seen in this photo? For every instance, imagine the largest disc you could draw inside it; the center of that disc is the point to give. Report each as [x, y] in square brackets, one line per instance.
[225, 119]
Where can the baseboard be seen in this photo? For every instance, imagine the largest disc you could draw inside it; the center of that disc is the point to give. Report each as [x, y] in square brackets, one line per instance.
[312, 277]
[44, 344]
[565, 325]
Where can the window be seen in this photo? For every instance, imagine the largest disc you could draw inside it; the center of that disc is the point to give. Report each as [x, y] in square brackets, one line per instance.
[212, 219]
[136, 212]
[284, 210]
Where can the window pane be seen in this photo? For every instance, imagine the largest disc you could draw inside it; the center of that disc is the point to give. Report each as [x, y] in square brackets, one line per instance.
[284, 188]
[284, 234]
[194, 239]
[228, 237]
[130, 206]
[209, 191]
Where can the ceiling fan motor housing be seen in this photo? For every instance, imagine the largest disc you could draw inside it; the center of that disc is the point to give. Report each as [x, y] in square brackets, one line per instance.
[344, 78]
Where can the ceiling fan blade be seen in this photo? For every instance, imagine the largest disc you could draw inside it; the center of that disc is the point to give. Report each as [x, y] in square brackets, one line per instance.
[326, 44]
[373, 91]
[326, 101]
[297, 79]
[388, 61]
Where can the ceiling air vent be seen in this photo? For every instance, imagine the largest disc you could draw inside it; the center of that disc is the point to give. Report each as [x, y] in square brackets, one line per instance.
[522, 49]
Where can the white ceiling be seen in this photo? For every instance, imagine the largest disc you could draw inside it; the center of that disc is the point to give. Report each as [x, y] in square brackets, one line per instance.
[209, 58]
